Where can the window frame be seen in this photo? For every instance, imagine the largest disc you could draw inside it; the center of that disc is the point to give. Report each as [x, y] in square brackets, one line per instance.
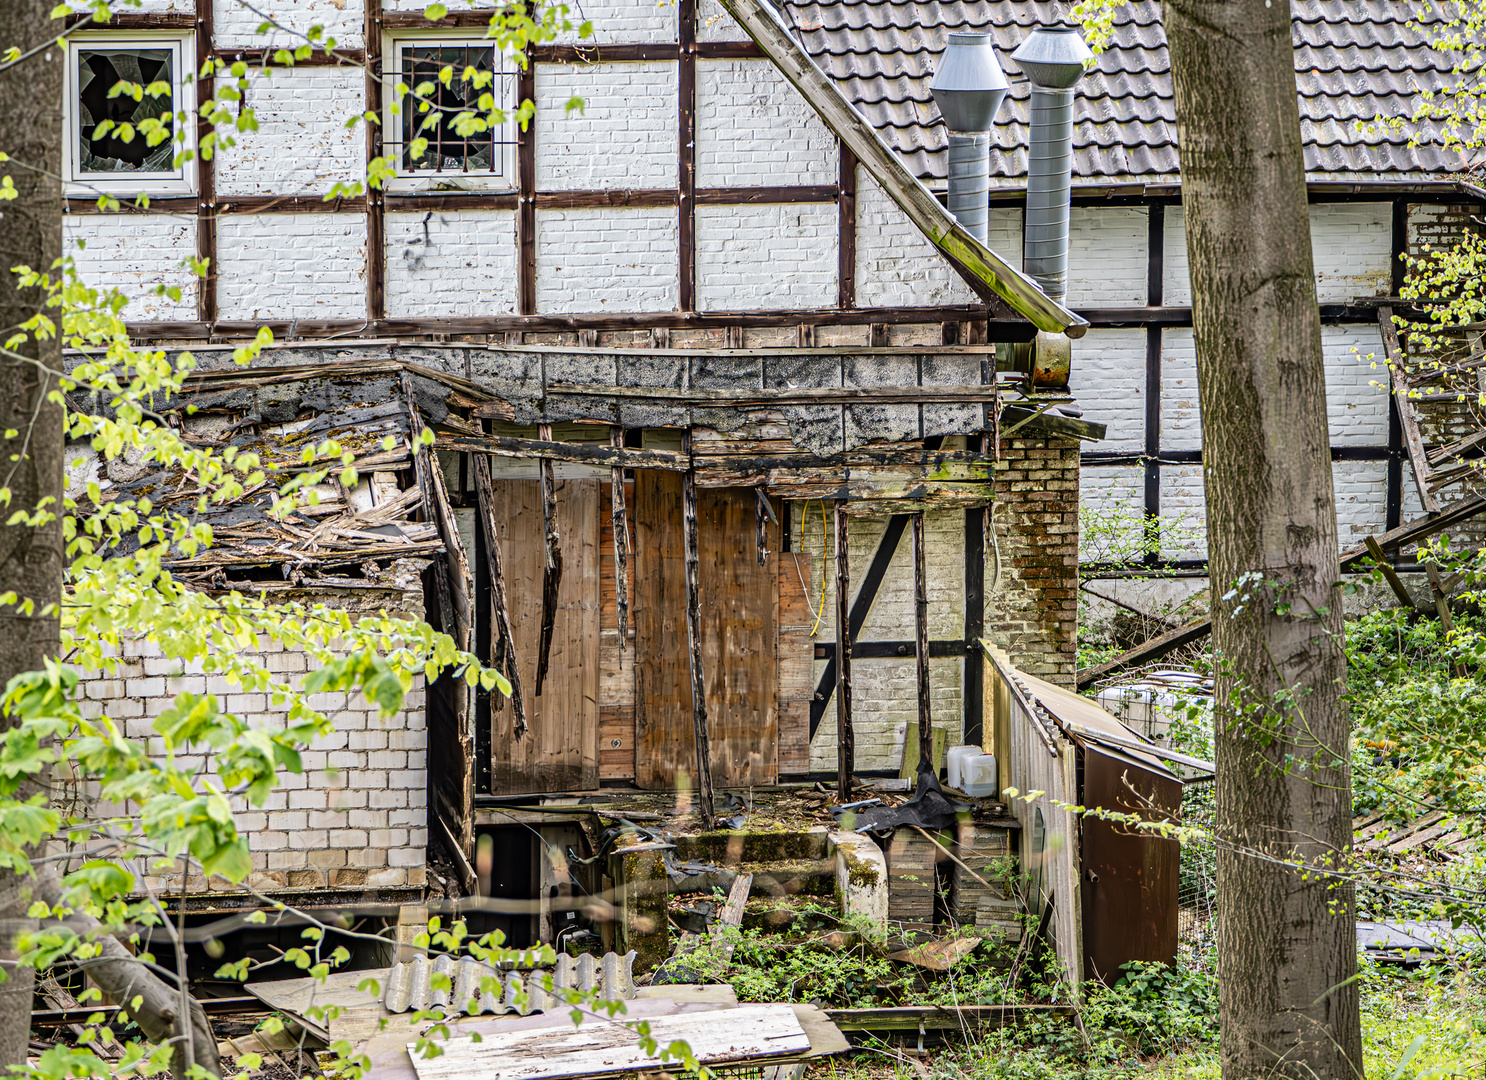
[502, 180]
[178, 181]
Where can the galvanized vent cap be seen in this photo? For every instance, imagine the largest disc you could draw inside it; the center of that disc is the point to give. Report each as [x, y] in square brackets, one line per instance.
[969, 85]
[1053, 57]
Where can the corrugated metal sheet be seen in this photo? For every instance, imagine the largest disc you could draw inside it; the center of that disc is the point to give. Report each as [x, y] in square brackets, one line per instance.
[1354, 60]
[410, 985]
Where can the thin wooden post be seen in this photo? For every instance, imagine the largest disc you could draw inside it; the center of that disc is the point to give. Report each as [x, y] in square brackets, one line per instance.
[621, 540]
[552, 571]
[762, 511]
[694, 632]
[505, 647]
[845, 738]
[921, 645]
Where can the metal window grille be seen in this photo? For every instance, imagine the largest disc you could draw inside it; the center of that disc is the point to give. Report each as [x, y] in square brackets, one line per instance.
[484, 153]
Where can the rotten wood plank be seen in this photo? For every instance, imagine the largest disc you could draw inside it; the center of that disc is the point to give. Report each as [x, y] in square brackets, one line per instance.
[845, 737]
[552, 568]
[1389, 574]
[829, 395]
[921, 643]
[1418, 461]
[621, 540]
[689, 528]
[500, 611]
[579, 453]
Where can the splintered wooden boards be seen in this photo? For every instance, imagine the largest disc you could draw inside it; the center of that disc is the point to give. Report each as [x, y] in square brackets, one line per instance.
[560, 751]
[739, 604]
[601, 1047]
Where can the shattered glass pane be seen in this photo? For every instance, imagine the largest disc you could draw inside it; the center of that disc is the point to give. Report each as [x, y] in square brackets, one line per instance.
[448, 151]
[99, 71]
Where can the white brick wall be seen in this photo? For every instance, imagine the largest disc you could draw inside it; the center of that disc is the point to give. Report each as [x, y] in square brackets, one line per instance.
[1183, 513]
[621, 259]
[1109, 381]
[1111, 502]
[1361, 499]
[460, 263]
[1181, 414]
[291, 266]
[715, 24]
[1351, 246]
[755, 130]
[1356, 403]
[885, 697]
[624, 21]
[134, 253]
[357, 815]
[766, 257]
[343, 20]
[153, 7]
[1107, 263]
[625, 137]
[896, 265]
[302, 145]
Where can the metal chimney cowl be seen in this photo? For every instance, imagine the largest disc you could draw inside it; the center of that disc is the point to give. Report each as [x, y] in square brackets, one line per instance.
[969, 87]
[1053, 57]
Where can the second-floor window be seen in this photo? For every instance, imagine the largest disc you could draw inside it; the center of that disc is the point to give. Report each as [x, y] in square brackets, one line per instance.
[124, 100]
[443, 136]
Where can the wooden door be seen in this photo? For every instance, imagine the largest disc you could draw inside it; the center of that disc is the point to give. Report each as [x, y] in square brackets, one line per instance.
[739, 606]
[560, 750]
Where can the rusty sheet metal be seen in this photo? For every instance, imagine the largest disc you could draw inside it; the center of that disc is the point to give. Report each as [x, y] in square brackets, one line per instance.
[1354, 60]
[411, 985]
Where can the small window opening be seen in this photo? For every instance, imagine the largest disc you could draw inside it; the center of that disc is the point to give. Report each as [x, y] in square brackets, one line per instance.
[99, 72]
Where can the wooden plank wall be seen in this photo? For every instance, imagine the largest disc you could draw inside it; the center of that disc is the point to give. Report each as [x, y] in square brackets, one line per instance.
[796, 653]
[560, 752]
[664, 747]
[616, 667]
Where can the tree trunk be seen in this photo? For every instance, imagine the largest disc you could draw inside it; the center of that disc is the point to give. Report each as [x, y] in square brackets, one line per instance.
[1286, 941]
[30, 461]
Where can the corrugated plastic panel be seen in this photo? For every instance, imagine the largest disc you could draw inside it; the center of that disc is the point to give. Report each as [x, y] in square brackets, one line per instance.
[410, 985]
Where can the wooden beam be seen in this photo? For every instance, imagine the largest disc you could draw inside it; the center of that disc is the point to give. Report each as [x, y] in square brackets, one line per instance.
[1151, 650]
[552, 570]
[846, 229]
[750, 196]
[985, 271]
[825, 395]
[376, 232]
[690, 530]
[1389, 574]
[289, 204]
[921, 645]
[1442, 608]
[845, 737]
[206, 169]
[526, 211]
[579, 453]
[1419, 528]
[500, 611]
[686, 148]
[621, 539]
[266, 57]
[1412, 439]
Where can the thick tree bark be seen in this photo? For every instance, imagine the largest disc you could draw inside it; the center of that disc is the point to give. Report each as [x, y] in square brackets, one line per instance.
[30, 461]
[1286, 941]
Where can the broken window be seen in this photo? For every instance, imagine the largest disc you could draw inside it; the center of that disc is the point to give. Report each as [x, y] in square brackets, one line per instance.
[123, 102]
[447, 130]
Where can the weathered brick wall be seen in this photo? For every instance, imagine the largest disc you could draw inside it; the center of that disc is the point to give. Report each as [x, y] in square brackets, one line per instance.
[455, 262]
[766, 257]
[754, 129]
[134, 253]
[1033, 614]
[237, 24]
[624, 259]
[623, 137]
[355, 818]
[302, 145]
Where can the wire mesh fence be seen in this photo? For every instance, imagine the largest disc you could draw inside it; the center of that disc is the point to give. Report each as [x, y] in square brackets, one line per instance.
[1197, 889]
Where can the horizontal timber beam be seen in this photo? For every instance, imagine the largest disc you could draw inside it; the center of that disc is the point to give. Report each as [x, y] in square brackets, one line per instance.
[893, 650]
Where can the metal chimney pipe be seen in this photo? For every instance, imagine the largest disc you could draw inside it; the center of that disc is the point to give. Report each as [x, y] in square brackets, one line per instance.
[969, 87]
[1053, 58]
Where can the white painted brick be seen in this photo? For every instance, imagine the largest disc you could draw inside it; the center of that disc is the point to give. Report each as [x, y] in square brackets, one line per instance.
[621, 259]
[1181, 411]
[715, 24]
[1351, 247]
[1107, 263]
[135, 253]
[754, 129]
[292, 266]
[1112, 511]
[625, 135]
[621, 21]
[235, 25]
[1108, 378]
[1356, 401]
[896, 266]
[1183, 513]
[766, 257]
[1361, 500]
[302, 145]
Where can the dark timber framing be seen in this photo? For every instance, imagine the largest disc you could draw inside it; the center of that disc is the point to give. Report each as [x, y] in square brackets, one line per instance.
[846, 230]
[376, 268]
[845, 736]
[206, 175]
[526, 212]
[686, 151]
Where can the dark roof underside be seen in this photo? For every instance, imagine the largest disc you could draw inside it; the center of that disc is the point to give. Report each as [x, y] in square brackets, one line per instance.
[1354, 60]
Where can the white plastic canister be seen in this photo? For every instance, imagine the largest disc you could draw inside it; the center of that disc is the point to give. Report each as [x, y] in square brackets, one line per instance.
[979, 776]
[954, 760]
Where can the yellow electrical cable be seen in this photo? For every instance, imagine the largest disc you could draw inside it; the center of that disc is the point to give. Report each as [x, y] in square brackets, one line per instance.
[821, 614]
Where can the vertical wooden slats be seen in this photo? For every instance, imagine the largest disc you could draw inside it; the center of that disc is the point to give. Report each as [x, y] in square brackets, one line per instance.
[845, 738]
[621, 540]
[552, 567]
[689, 528]
[921, 645]
[504, 649]
[560, 751]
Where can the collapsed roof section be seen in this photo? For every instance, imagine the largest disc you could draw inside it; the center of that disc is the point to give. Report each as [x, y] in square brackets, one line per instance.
[1355, 60]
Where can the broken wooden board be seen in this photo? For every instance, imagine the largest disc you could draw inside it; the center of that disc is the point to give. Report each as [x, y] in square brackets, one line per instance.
[602, 1047]
[295, 997]
[940, 955]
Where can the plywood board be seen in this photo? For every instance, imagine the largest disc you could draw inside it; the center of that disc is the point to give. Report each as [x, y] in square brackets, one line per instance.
[739, 605]
[599, 1047]
[616, 742]
[560, 750]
